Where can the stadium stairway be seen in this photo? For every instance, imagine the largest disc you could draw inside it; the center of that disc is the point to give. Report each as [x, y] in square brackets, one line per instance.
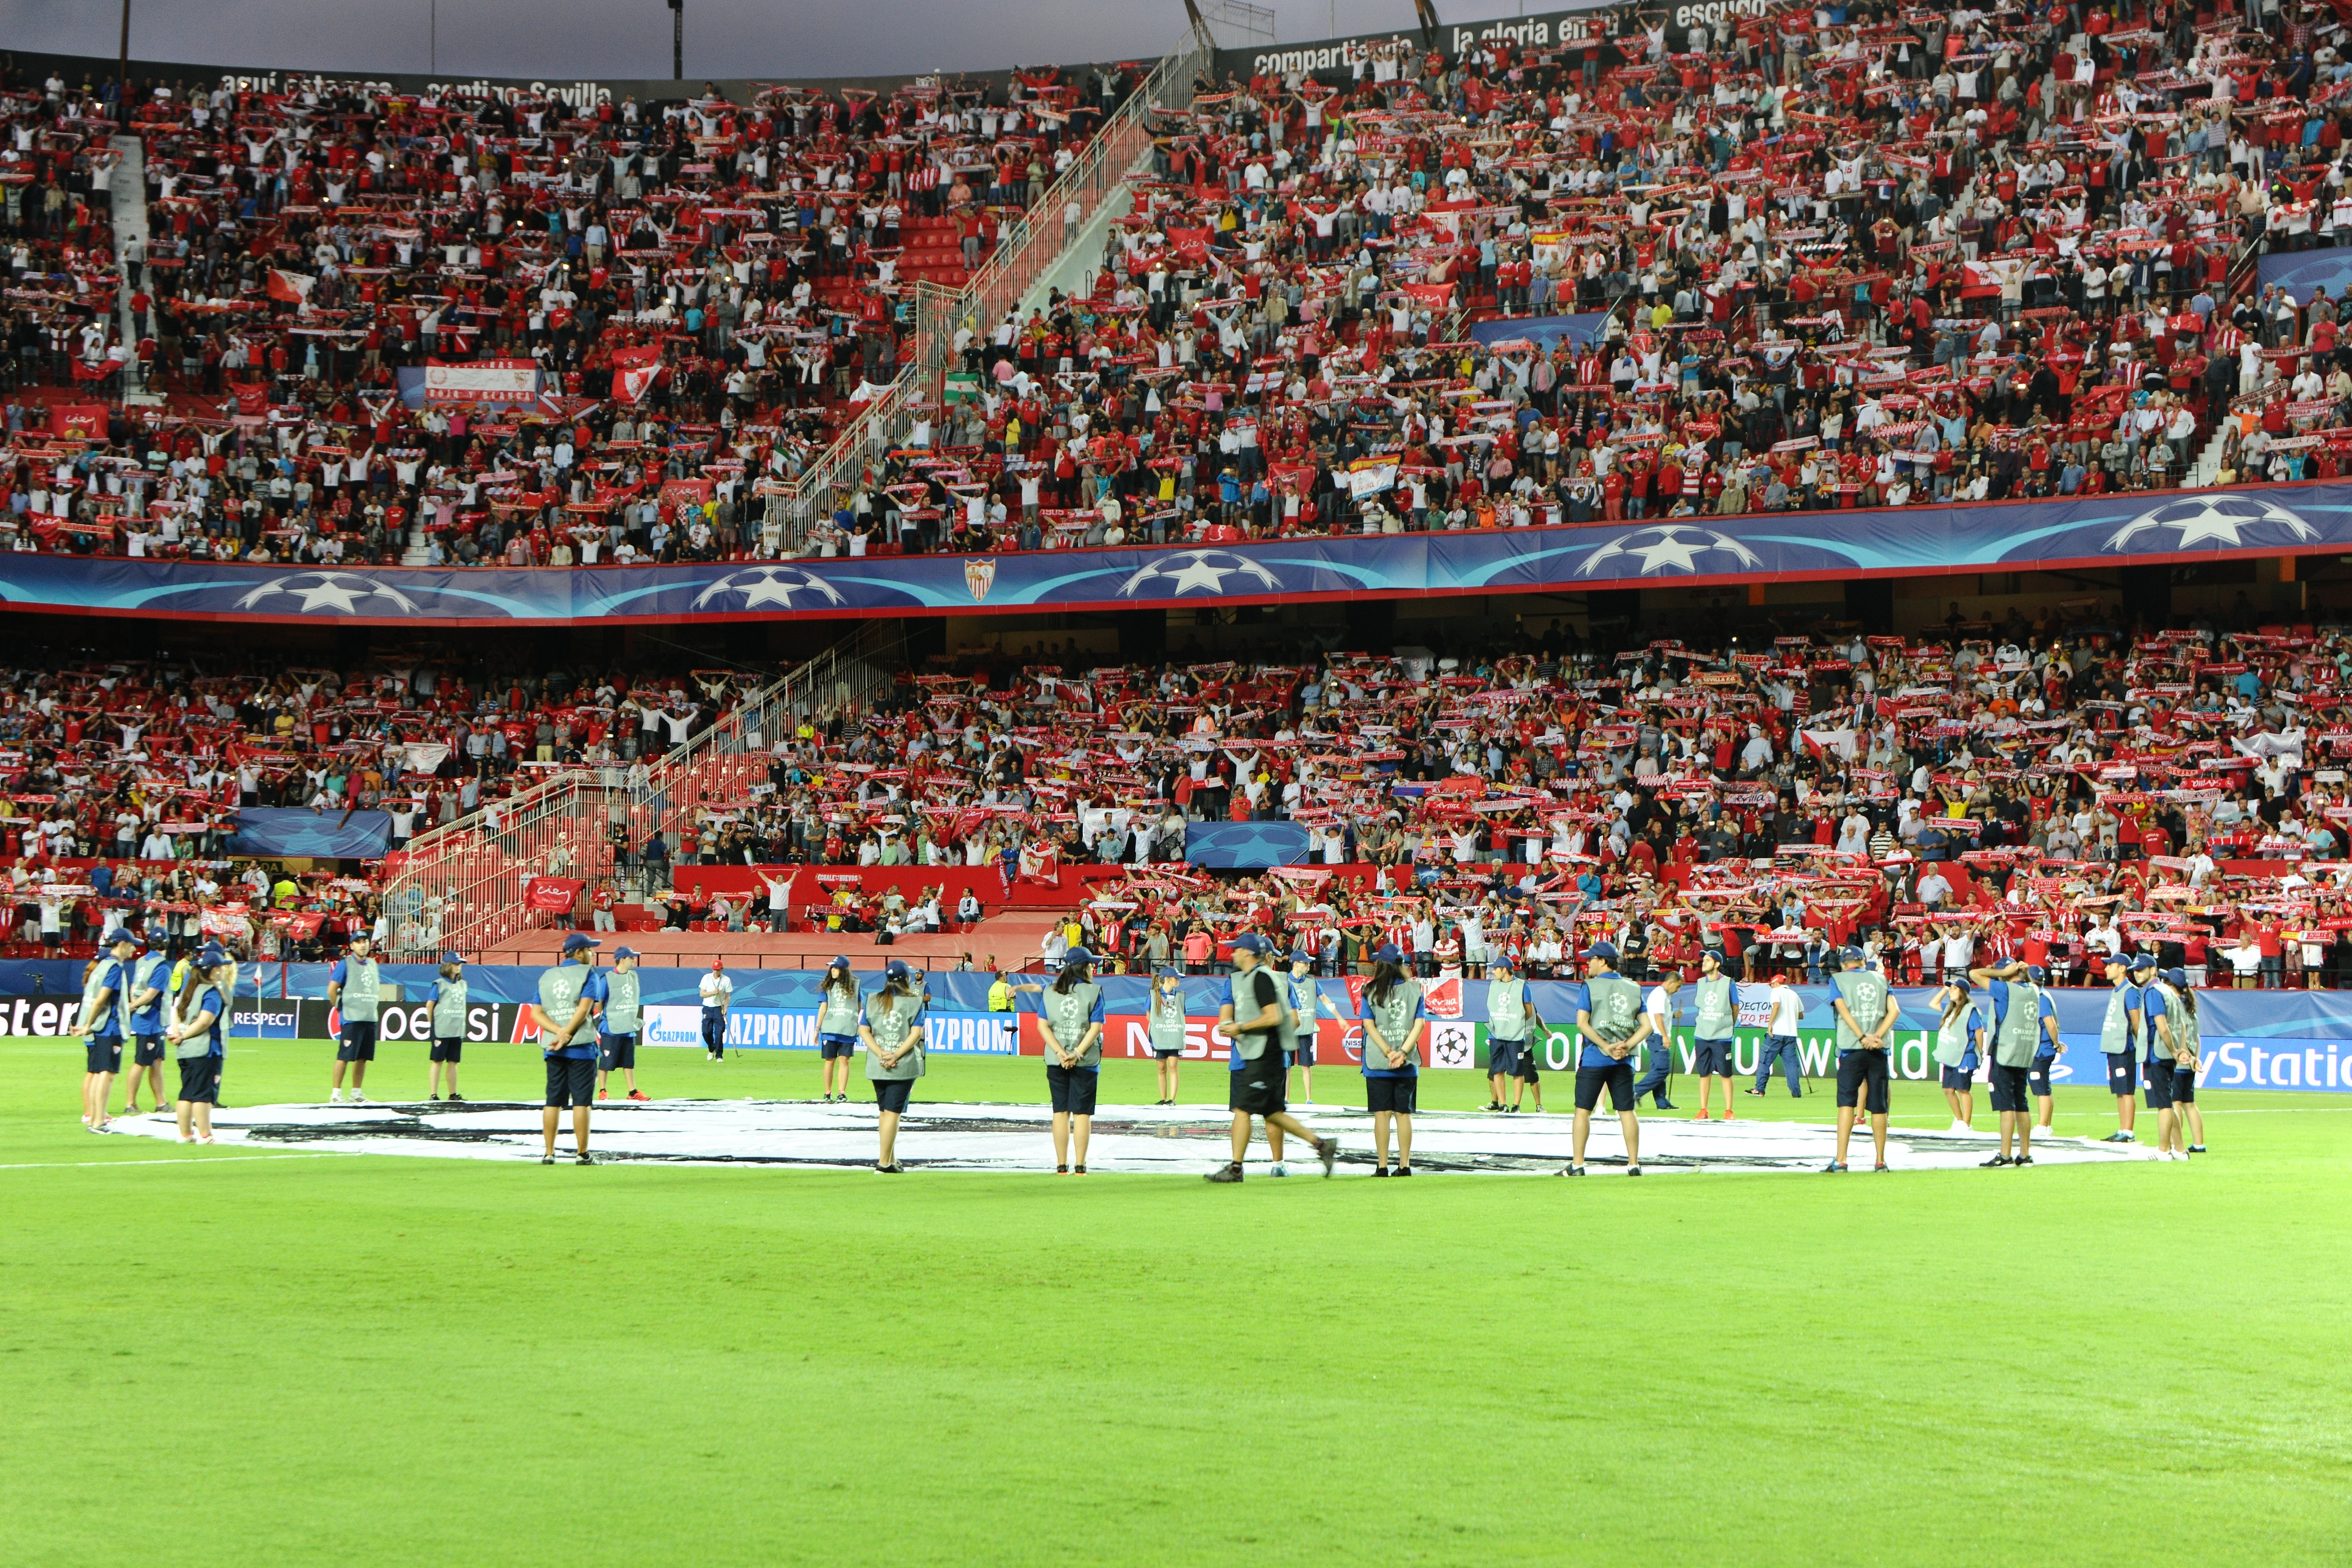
[1012, 939]
[127, 203]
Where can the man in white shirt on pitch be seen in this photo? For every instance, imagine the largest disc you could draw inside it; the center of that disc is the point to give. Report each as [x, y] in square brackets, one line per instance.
[717, 992]
[1660, 1006]
[1786, 1012]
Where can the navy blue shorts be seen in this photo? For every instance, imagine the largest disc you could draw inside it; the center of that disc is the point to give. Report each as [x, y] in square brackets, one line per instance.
[617, 1052]
[1862, 1082]
[446, 1049]
[200, 1080]
[891, 1093]
[1303, 1055]
[2010, 1091]
[570, 1082]
[2184, 1085]
[1073, 1089]
[104, 1054]
[2122, 1072]
[1503, 1057]
[2039, 1074]
[1617, 1078]
[148, 1051]
[356, 1043]
[1962, 1079]
[2159, 1084]
[1712, 1058]
[1399, 1094]
[836, 1047]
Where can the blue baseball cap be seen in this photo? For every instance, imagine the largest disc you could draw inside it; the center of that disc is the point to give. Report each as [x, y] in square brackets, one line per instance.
[1076, 957]
[453, 958]
[124, 933]
[2142, 962]
[1168, 972]
[897, 970]
[840, 962]
[1501, 960]
[2039, 975]
[621, 953]
[1604, 950]
[211, 956]
[1388, 953]
[2177, 978]
[1250, 941]
[577, 942]
[1960, 982]
[1300, 955]
[1851, 955]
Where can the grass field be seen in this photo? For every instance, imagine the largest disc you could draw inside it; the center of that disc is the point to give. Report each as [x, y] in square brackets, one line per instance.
[218, 1357]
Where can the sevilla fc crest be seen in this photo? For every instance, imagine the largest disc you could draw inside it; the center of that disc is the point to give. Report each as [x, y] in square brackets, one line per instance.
[980, 576]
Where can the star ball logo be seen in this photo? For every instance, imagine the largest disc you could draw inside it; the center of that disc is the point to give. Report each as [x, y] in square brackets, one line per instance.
[1200, 572]
[767, 585]
[2220, 521]
[1672, 548]
[341, 591]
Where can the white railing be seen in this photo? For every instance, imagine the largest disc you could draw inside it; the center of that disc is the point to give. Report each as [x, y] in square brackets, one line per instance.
[460, 887]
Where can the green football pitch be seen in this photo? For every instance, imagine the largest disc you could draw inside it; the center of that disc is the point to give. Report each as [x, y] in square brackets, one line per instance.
[225, 1356]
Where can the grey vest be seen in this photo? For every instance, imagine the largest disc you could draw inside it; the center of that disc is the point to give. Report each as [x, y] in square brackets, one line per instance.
[559, 998]
[100, 1019]
[2012, 1045]
[836, 1011]
[891, 1025]
[2114, 1029]
[362, 990]
[1167, 1016]
[1718, 1007]
[192, 1046]
[449, 1009]
[1615, 1005]
[1952, 1039]
[144, 975]
[622, 1013]
[1395, 1020]
[1865, 991]
[1069, 1013]
[1507, 1017]
[1249, 1044]
[2186, 1034]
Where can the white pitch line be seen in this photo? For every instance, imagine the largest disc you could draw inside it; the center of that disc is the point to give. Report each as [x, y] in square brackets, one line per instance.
[200, 1159]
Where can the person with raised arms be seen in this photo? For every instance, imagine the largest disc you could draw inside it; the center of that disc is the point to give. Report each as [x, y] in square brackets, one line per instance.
[1394, 1021]
[618, 992]
[1610, 1024]
[564, 1013]
[1070, 1016]
[1866, 1011]
[837, 1026]
[193, 1031]
[1258, 1029]
[892, 1028]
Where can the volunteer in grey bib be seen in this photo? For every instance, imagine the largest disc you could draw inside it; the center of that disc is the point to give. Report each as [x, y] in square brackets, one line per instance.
[1512, 1029]
[620, 1022]
[2016, 1004]
[194, 1032]
[1394, 1021]
[1070, 1020]
[448, 1027]
[1165, 1016]
[1714, 1015]
[564, 1015]
[354, 986]
[1610, 1024]
[1305, 998]
[892, 1029]
[1866, 1010]
[837, 1027]
[1257, 1032]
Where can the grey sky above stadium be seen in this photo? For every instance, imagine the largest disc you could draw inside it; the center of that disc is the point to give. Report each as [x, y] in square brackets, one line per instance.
[625, 39]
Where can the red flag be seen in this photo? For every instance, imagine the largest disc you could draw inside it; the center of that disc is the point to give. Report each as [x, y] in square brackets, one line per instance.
[294, 287]
[635, 371]
[553, 894]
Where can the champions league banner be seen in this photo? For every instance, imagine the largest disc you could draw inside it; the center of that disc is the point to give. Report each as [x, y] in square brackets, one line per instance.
[2103, 531]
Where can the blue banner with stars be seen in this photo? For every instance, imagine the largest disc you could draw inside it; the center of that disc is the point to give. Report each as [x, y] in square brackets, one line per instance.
[2314, 517]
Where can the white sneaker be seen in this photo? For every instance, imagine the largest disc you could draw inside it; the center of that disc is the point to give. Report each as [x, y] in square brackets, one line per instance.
[357, 1098]
[1959, 1126]
[334, 1097]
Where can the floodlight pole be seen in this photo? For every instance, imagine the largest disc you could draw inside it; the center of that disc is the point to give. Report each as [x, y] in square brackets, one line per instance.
[677, 40]
[123, 64]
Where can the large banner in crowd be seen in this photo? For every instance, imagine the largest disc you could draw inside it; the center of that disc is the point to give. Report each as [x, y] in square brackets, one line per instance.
[2103, 532]
[292, 830]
